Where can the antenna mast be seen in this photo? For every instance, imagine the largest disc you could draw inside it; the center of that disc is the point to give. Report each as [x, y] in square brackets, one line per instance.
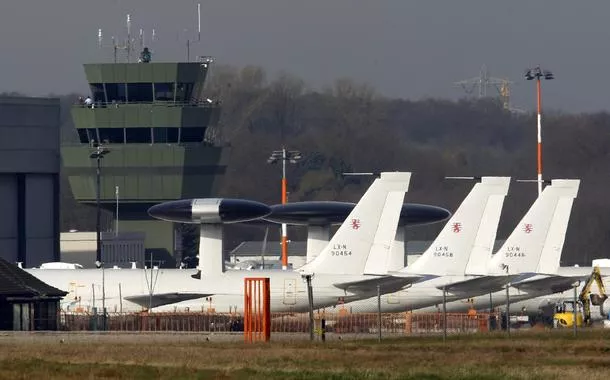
[188, 40]
[129, 41]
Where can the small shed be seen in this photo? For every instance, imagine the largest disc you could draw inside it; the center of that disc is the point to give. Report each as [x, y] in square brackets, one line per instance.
[26, 303]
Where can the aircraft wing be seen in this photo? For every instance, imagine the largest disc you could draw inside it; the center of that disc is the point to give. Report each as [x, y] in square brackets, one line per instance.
[551, 284]
[480, 285]
[387, 284]
[160, 299]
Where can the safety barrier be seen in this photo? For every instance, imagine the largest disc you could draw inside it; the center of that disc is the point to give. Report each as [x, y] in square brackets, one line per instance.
[406, 323]
[257, 314]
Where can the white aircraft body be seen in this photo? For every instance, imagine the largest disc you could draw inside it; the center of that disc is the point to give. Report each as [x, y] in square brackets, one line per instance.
[339, 273]
[533, 247]
[474, 224]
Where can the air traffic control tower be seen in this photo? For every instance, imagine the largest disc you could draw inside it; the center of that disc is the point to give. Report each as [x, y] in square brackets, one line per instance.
[158, 128]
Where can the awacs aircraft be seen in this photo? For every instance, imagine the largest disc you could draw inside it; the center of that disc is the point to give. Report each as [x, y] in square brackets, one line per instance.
[469, 268]
[549, 278]
[337, 273]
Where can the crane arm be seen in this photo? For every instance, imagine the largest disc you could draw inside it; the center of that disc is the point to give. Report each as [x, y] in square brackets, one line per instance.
[597, 299]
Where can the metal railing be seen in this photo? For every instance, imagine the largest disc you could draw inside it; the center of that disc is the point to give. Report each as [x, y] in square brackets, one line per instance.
[406, 323]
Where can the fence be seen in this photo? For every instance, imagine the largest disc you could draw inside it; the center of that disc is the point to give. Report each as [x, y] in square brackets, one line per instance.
[406, 323]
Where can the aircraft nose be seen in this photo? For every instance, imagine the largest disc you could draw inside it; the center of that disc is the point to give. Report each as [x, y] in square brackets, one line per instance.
[173, 211]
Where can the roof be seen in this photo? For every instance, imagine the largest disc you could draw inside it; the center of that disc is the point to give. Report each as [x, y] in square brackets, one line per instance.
[274, 248]
[15, 282]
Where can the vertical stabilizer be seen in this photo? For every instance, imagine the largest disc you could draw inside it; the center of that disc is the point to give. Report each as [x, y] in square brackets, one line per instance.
[469, 227]
[397, 258]
[541, 230]
[482, 249]
[381, 251]
[317, 240]
[349, 248]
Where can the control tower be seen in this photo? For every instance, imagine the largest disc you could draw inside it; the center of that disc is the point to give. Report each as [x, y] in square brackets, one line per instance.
[158, 127]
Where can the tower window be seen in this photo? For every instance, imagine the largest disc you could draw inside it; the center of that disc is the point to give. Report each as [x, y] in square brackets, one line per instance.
[112, 135]
[138, 135]
[116, 92]
[139, 92]
[164, 91]
[189, 135]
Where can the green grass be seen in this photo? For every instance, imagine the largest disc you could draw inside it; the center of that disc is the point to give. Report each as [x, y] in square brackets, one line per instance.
[526, 355]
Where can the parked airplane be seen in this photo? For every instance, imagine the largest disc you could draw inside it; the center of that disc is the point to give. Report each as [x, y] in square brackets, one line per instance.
[539, 289]
[338, 273]
[539, 234]
[474, 224]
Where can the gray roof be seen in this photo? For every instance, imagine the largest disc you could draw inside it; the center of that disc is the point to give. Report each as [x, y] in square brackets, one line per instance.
[274, 248]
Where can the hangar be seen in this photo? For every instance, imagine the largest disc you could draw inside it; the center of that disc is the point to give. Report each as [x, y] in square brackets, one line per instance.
[29, 180]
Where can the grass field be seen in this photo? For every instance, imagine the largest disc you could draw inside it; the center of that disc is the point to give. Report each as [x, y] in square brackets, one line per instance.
[526, 355]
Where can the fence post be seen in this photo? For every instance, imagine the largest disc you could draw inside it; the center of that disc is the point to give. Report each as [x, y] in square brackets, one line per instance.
[379, 311]
[310, 297]
[444, 314]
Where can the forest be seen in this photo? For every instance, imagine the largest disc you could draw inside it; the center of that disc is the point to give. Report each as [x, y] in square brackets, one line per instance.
[349, 126]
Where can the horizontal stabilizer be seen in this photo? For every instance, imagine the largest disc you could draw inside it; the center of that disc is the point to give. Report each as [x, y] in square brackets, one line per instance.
[161, 299]
[369, 285]
[552, 284]
[480, 285]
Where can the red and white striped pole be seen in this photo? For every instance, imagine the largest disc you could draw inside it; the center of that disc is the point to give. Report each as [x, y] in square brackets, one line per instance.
[284, 226]
[538, 74]
[539, 95]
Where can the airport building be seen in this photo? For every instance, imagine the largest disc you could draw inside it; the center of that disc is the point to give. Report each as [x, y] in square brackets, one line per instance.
[29, 180]
[120, 250]
[159, 132]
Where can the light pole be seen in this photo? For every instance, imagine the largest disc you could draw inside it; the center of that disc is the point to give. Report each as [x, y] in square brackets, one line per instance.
[538, 73]
[292, 156]
[98, 154]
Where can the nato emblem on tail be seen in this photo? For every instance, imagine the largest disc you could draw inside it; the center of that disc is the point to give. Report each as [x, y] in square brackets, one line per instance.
[472, 227]
[370, 226]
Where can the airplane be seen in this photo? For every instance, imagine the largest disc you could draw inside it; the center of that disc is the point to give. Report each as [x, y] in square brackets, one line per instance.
[533, 295]
[339, 272]
[472, 273]
[474, 224]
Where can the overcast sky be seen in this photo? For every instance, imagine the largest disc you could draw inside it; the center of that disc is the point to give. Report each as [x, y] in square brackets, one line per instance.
[405, 48]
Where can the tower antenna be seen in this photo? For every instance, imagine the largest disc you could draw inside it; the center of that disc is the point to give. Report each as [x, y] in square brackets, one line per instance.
[483, 82]
[127, 46]
[188, 39]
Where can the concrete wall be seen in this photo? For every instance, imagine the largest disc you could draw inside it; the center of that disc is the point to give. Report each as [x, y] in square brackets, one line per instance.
[80, 248]
[29, 180]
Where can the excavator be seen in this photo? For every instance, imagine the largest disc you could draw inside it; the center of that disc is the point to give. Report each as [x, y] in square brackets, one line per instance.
[564, 317]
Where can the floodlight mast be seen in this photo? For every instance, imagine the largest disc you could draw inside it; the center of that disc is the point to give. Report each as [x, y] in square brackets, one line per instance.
[97, 155]
[530, 74]
[292, 156]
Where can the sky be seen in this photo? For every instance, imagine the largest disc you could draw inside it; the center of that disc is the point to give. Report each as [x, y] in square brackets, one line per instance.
[404, 48]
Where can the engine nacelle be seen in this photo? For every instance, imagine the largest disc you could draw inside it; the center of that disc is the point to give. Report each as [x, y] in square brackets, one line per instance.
[209, 210]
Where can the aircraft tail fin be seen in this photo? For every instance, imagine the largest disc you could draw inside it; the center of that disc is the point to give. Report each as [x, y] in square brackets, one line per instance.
[471, 229]
[365, 228]
[535, 244]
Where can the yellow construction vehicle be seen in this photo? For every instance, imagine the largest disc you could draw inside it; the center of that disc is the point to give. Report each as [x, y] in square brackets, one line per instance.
[564, 315]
